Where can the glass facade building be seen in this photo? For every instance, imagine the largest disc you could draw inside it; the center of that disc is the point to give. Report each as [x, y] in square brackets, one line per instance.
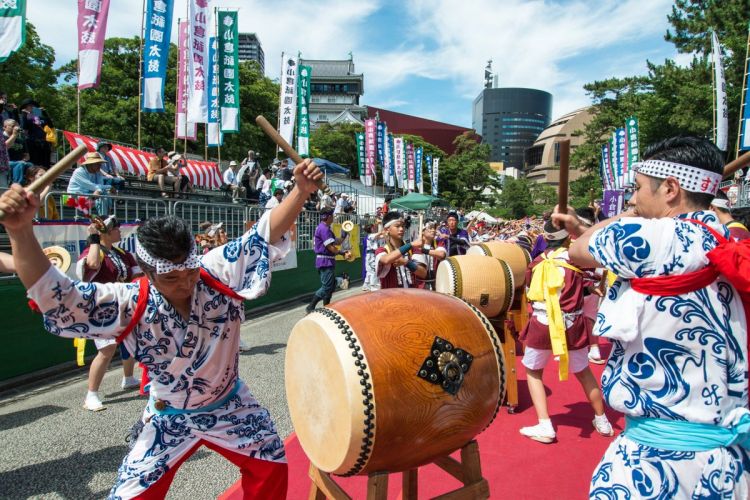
[510, 120]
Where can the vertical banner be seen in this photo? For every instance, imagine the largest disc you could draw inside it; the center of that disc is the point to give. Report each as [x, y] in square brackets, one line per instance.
[634, 151]
[386, 165]
[621, 165]
[92, 28]
[229, 72]
[613, 161]
[612, 202]
[722, 113]
[288, 97]
[391, 162]
[183, 128]
[398, 160]
[381, 145]
[604, 168]
[303, 122]
[435, 164]
[157, 34]
[360, 137]
[410, 165]
[12, 27]
[370, 150]
[214, 137]
[428, 162]
[197, 111]
[418, 152]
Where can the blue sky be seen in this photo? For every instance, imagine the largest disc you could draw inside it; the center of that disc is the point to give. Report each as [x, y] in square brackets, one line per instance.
[427, 57]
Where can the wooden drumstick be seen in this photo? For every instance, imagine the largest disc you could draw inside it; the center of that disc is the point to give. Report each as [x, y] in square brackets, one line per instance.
[562, 190]
[286, 148]
[737, 164]
[53, 173]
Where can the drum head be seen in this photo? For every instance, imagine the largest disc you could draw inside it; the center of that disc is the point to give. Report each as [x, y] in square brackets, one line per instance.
[59, 257]
[318, 389]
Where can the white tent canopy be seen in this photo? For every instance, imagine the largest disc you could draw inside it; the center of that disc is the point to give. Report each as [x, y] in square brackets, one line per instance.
[479, 215]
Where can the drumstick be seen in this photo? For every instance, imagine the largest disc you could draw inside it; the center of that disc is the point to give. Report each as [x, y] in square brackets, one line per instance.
[53, 173]
[562, 190]
[286, 148]
[737, 164]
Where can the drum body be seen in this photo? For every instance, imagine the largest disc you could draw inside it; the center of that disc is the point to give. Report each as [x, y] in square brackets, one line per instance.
[517, 258]
[484, 282]
[391, 380]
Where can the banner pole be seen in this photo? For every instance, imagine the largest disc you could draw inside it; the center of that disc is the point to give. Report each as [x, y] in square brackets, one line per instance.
[140, 69]
[187, 68]
[78, 106]
[744, 91]
[177, 96]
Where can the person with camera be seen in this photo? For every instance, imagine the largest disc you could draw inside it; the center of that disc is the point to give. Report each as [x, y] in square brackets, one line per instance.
[8, 110]
[18, 158]
[233, 182]
[34, 119]
[102, 262]
[111, 176]
[161, 172]
[176, 165]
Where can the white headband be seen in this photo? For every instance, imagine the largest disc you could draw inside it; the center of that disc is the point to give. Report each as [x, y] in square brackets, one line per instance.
[558, 235]
[693, 179]
[164, 266]
[391, 222]
[720, 203]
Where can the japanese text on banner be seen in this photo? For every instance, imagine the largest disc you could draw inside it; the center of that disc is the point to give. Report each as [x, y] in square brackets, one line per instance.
[288, 97]
[92, 27]
[303, 121]
[157, 34]
[229, 76]
[197, 110]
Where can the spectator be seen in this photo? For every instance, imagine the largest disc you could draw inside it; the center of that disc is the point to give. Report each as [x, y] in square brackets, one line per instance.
[17, 155]
[33, 120]
[48, 208]
[159, 171]
[325, 201]
[263, 186]
[178, 164]
[252, 173]
[285, 173]
[87, 179]
[278, 195]
[233, 182]
[8, 111]
[109, 170]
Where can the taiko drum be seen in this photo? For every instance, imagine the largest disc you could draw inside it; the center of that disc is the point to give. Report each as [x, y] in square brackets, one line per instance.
[484, 282]
[391, 380]
[517, 258]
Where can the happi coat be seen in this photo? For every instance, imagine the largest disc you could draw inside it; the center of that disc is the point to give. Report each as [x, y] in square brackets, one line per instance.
[192, 362]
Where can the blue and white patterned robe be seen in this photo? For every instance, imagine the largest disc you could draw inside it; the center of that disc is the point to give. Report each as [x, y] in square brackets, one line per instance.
[677, 357]
[191, 363]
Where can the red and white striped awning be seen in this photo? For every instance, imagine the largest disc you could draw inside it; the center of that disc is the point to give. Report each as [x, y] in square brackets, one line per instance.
[135, 162]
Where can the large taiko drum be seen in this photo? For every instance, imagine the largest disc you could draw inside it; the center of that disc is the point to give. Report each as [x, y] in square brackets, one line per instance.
[517, 258]
[484, 282]
[392, 380]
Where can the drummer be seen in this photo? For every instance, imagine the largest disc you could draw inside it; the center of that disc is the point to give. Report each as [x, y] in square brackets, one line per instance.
[430, 255]
[394, 263]
[454, 240]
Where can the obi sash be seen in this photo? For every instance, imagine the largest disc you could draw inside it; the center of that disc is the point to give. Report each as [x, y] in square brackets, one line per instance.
[680, 435]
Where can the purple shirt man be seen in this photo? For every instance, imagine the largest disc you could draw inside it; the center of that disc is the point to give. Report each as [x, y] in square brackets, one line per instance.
[323, 237]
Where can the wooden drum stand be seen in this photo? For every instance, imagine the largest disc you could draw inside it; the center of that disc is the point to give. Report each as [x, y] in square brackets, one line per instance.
[468, 471]
[508, 325]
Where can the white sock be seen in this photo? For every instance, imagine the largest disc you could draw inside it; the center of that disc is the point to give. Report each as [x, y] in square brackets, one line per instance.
[601, 418]
[546, 423]
[92, 394]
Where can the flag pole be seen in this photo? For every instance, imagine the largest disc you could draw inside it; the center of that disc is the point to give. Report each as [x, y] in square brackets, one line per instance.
[178, 97]
[187, 80]
[78, 95]
[744, 89]
[713, 85]
[140, 69]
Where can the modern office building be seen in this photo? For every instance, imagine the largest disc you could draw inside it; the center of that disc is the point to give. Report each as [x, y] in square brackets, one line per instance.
[509, 120]
[249, 49]
[335, 89]
[542, 160]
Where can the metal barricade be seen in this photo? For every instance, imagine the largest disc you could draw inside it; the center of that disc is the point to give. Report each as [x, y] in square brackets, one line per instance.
[124, 207]
[233, 216]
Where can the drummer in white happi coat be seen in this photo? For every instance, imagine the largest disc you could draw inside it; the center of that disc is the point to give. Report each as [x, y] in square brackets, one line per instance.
[188, 337]
[678, 368]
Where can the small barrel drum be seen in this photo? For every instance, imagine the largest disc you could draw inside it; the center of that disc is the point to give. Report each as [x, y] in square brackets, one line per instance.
[517, 258]
[484, 282]
[389, 381]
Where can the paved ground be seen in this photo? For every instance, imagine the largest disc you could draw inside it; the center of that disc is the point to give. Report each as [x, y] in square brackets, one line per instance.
[51, 448]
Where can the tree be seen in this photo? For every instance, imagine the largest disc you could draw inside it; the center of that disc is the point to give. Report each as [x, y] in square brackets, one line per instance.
[337, 143]
[465, 174]
[30, 73]
[515, 201]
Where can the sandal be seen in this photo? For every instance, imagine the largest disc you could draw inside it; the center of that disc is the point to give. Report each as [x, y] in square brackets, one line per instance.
[164, 195]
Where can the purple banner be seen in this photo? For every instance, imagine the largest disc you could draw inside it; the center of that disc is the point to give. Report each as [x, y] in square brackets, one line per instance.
[92, 26]
[370, 151]
[183, 129]
[612, 202]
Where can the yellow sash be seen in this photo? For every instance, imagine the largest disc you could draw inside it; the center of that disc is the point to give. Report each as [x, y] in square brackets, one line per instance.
[80, 345]
[546, 282]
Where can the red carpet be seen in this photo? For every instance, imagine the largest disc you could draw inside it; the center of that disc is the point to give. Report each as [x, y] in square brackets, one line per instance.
[514, 466]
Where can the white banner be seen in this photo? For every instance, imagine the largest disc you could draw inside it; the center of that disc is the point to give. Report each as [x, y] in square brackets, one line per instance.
[398, 159]
[722, 113]
[386, 158]
[288, 97]
[12, 27]
[198, 43]
[435, 164]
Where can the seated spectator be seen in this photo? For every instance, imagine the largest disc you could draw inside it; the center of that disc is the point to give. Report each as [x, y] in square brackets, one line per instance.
[233, 182]
[111, 176]
[278, 195]
[87, 179]
[162, 173]
[48, 208]
[177, 166]
[18, 158]
[33, 120]
[343, 205]
[325, 201]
